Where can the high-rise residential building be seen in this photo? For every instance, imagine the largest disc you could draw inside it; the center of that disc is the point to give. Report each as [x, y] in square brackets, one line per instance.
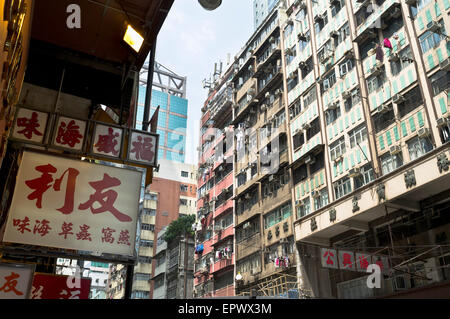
[341, 159]
[261, 8]
[368, 94]
[214, 264]
[172, 194]
[169, 93]
[264, 237]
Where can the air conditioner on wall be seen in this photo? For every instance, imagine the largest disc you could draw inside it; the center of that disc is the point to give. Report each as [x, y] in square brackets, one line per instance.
[383, 108]
[445, 65]
[310, 159]
[356, 171]
[398, 98]
[423, 132]
[395, 149]
[315, 194]
[441, 121]
[394, 57]
[434, 27]
[346, 94]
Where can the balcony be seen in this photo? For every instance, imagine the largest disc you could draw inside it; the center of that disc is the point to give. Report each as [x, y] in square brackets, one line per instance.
[248, 246]
[276, 76]
[222, 100]
[272, 56]
[227, 206]
[223, 234]
[222, 264]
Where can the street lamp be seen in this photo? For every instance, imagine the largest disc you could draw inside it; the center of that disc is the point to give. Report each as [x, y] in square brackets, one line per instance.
[210, 4]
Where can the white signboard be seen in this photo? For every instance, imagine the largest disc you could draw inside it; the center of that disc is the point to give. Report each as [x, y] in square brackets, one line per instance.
[363, 260]
[107, 140]
[71, 204]
[15, 280]
[30, 125]
[329, 258]
[347, 260]
[143, 148]
[70, 133]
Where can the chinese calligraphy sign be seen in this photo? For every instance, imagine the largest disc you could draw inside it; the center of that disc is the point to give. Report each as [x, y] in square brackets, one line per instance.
[72, 204]
[329, 258]
[30, 125]
[70, 133]
[46, 286]
[107, 140]
[15, 280]
[143, 148]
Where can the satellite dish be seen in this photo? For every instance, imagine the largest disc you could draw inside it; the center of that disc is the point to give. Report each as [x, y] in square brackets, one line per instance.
[210, 4]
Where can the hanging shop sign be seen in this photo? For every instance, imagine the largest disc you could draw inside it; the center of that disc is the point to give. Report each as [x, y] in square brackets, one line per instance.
[71, 204]
[97, 139]
[15, 280]
[354, 261]
[47, 286]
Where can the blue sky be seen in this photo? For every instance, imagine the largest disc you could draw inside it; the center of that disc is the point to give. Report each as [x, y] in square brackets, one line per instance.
[191, 40]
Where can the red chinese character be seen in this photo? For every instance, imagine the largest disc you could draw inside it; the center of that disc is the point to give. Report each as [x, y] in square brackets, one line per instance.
[69, 135]
[74, 294]
[124, 238]
[105, 199]
[143, 150]
[83, 234]
[66, 229]
[380, 264]
[11, 283]
[41, 184]
[22, 224]
[30, 125]
[363, 263]
[107, 235]
[107, 143]
[347, 262]
[329, 260]
[42, 228]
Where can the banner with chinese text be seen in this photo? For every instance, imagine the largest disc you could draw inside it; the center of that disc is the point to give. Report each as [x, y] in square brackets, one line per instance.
[349, 260]
[15, 280]
[71, 204]
[46, 286]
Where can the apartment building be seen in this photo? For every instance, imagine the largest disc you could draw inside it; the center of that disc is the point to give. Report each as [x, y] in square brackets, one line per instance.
[264, 237]
[367, 92]
[214, 257]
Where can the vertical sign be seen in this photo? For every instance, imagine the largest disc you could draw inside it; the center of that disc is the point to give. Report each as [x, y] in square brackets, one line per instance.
[15, 280]
[329, 258]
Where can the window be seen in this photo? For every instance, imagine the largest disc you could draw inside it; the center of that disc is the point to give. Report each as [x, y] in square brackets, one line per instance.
[357, 136]
[390, 162]
[277, 215]
[183, 202]
[445, 132]
[393, 25]
[309, 98]
[345, 67]
[247, 230]
[184, 174]
[183, 188]
[299, 174]
[413, 98]
[295, 109]
[405, 58]
[317, 164]
[332, 115]
[149, 212]
[430, 40]
[303, 43]
[290, 57]
[418, 147]
[440, 81]
[314, 129]
[304, 209]
[383, 120]
[418, 6]
[146, 243]
[336, 7]
[149, 227]
[298, 139]
[321, 200]
[329, 81]
[242, 179]
[337, 148]
[375, 82]
[342, 187]
[365, 177]
[292, 83]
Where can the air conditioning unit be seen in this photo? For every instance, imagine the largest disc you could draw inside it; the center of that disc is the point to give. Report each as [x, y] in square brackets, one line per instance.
[338, 158]
[423, 132]
[289, 22]
[445, 65]
[356, 171]
[272, 39]
[394, 57]
[346, 94]
[306, 126]
[293, 75]
[247, 196]
[334, 33]
[310, 159]
[349, 54]
[302, 65]
[395, 149]
[377, 69]
[434, 27]
[278, 92]
[315, 194]
[302, 37]
[214, 199]
[246, 225]
[267, 95]
[296, 131]
[442, 121]
[383, 108]
[398, 98]
[331, 106]
[218, 228]
[263, 107]
[288, 51]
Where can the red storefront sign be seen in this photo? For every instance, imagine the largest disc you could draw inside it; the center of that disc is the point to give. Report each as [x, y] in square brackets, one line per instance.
[46, 286]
